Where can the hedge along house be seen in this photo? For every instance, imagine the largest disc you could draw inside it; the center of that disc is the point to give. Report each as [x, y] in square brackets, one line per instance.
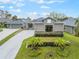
[20, 23]
[48, 26]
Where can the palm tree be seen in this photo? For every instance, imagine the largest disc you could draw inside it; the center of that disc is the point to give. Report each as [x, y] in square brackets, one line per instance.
[8, 15]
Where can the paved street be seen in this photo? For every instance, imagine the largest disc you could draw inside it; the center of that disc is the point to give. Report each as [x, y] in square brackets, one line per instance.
[9, 49]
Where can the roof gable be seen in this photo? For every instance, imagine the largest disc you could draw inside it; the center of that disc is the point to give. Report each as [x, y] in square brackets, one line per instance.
[43, 19]
[49, 18]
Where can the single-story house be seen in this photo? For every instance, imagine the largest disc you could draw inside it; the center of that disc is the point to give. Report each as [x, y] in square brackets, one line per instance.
[69, 25]
[15, 24]
[48, 26]
[3, 20]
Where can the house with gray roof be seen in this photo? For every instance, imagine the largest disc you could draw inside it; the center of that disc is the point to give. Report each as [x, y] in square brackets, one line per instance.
[42, 26]
[48, 26]
[70, 25]
[15, 24]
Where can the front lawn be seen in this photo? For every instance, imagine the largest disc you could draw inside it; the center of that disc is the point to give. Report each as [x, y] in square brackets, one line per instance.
[51, 52]
[1, 29]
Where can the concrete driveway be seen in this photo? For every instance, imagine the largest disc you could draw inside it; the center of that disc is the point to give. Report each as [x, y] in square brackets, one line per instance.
[9, 49]
[6, 32]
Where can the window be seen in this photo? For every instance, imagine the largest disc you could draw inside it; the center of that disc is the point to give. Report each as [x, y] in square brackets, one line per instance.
[49, 21]
[48, 28]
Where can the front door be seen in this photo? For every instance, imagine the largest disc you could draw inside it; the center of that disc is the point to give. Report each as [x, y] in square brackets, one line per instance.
[48, 28]
[30, 25]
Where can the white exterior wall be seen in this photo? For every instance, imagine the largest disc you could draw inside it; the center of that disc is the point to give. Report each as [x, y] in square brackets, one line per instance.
[39, 27]
[69, 29]
[14, 25]
[46, 21]
[27, 26]
[58, 27]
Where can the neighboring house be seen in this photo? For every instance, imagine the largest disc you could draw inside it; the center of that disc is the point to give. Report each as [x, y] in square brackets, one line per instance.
[70, 25]
[20, 23]
[15, 24]
[3, 20]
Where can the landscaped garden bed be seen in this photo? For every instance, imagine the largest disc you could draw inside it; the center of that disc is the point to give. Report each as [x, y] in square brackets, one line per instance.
[66, 47]
[51, 44]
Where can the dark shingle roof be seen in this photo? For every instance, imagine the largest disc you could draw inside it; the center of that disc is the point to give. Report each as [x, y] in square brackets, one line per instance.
[4, 20]
[42, 19]
[38, 20]
[70, 22]
[15, 22]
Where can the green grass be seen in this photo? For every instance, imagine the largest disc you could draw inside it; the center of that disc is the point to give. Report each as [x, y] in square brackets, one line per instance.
[70, 52]
[10, 36]
[1, 29]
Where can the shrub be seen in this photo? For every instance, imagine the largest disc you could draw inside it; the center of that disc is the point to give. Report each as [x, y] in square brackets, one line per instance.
[34, 42]
[2, 25]
[62, 43]
[77, 30]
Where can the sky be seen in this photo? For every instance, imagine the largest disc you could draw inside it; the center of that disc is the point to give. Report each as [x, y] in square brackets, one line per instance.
[40, 8]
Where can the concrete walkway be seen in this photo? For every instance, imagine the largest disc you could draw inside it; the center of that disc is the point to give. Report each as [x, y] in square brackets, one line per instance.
[9, 49]
[6, 32]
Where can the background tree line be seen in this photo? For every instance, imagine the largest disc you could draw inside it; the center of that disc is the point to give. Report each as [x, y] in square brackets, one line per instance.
[9, 16]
